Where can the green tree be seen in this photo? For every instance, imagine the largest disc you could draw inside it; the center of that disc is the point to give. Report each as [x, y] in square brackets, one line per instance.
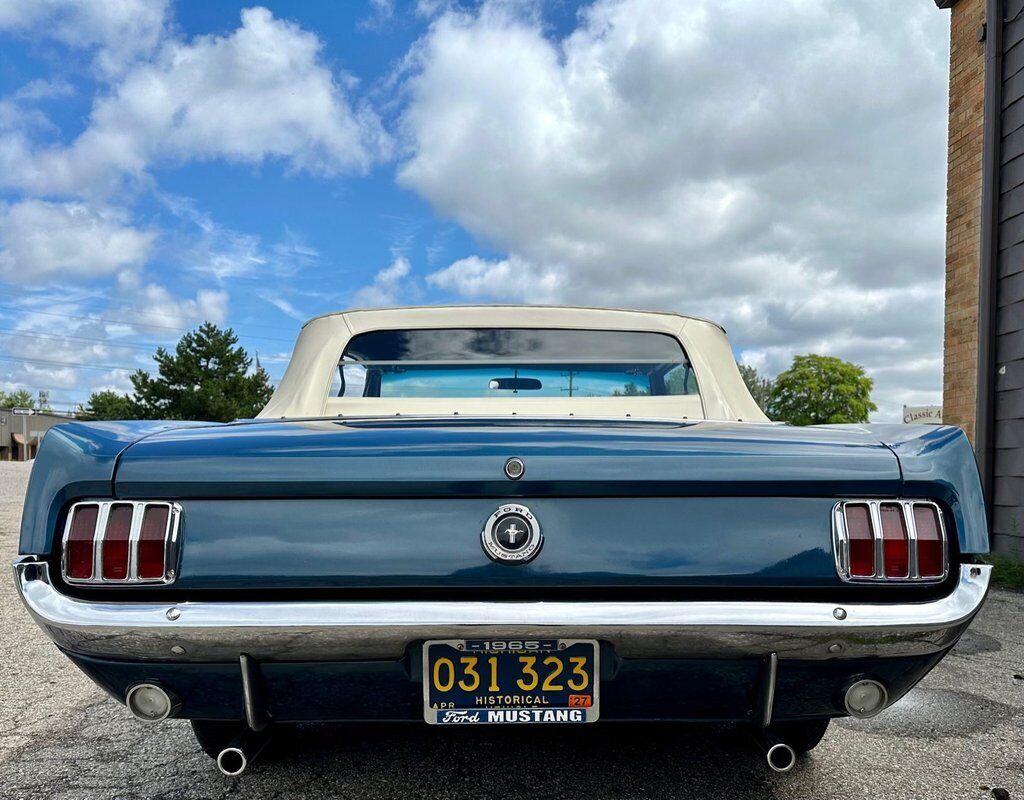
[20, 398]
[760, 388]
[821, 390]
[206, 378]
[630, 390]
[110, 405]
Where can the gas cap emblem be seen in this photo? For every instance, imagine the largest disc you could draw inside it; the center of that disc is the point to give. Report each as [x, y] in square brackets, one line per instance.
[512, 535]
[514, 469]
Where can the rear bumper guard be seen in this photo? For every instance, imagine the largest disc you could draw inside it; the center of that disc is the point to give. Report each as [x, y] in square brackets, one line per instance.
[359, 630]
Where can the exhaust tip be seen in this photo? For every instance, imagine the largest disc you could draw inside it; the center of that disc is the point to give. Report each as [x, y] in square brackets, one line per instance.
[781, 757]
[232, 761]
[151, 703]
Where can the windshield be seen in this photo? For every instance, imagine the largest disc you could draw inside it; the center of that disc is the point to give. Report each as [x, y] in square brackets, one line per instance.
[505, 362]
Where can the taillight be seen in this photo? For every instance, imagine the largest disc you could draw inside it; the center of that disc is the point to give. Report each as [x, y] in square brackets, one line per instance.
[78, 546]
[930, 557]
[152, 542]
[890, 540]
[862, 542]
[121, 542]
[115, 543]
[895, 541]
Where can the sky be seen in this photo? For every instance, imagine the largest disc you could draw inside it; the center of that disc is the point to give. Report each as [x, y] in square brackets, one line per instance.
[777, 167]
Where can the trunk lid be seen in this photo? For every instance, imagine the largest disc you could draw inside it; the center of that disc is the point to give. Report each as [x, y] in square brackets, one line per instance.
[302, 504]
[457, 458]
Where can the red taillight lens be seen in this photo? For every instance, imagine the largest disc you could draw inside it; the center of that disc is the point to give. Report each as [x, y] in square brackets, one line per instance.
[862, 543]
[929, 542]
[137, 542]
[79, 553]
[115, 543]
[151, 542]
[895, 541]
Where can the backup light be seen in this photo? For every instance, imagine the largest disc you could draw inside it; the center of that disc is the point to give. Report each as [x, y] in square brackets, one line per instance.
[149, 703]
[865, 698]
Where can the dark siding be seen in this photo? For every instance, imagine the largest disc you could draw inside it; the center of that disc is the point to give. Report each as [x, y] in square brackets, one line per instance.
[1008, 431]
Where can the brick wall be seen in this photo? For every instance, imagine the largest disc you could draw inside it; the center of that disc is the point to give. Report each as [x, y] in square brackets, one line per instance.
[963, 213]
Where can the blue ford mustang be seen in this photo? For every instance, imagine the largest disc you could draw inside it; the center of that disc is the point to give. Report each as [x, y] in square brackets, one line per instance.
[504, 515]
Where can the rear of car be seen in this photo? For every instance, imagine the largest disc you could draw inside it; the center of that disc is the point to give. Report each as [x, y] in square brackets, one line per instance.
[575, 539]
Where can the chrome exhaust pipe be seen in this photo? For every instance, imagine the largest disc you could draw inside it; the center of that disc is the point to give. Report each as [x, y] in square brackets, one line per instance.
[781, 756]
[238, 756]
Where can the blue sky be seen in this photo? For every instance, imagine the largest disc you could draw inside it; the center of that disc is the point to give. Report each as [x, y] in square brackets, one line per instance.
[778, 167]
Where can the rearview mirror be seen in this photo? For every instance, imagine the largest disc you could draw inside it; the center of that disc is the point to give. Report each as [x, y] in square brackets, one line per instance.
[514, 384]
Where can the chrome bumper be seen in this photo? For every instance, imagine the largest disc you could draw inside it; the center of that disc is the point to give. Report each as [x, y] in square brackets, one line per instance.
[340, 631]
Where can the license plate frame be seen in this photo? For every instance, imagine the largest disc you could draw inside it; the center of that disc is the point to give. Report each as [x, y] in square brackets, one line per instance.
[572, 706]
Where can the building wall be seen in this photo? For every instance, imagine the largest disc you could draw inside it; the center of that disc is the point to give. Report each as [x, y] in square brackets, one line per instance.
[35, 425]
[1008, 424]
[963, 213]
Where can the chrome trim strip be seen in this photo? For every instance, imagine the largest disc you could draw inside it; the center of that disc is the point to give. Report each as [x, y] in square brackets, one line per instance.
[874, 510]
[346, 630]
[908, 519]
[171, 542]
[99, 535]
[840, 539]
[134, 534]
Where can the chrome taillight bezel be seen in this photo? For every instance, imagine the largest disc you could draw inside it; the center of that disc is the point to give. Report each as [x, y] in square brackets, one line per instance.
[841, 541]
[99, 531]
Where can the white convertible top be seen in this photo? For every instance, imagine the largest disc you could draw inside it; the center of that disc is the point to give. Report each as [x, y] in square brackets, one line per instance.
[305, 389]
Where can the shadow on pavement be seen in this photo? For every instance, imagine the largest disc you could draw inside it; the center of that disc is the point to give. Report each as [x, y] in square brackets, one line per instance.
[614, 760]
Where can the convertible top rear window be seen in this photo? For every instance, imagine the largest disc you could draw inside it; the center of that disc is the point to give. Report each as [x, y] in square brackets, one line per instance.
[499, 362]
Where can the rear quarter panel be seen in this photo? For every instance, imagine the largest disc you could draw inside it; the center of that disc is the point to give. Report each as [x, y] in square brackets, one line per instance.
[76, 460]
[938, 462]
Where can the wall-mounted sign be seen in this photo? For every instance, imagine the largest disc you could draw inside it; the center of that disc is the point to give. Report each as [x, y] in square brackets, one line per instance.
[922, 415]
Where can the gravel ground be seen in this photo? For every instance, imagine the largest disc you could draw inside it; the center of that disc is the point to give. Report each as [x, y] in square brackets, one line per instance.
[960, 734]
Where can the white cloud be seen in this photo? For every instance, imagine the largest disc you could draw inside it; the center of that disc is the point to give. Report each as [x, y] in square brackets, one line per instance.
[42, 242]
[58, 345]
[42, 89]
[285, 307]
[121, 30]
[387, 288]
[778, 167]
[381, 12]
[260, 93]
[60, 340]
[210, 249]
[509, 278]
[157, 306]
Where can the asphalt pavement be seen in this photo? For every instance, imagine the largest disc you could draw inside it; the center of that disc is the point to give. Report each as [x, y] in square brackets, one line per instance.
[959, 734]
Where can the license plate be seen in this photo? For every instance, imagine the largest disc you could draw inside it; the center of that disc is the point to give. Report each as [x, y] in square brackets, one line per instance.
[490, 681]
